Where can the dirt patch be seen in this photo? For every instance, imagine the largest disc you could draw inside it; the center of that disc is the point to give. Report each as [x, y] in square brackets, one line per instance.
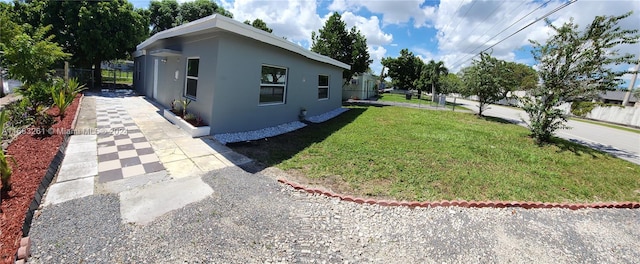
[33, 154]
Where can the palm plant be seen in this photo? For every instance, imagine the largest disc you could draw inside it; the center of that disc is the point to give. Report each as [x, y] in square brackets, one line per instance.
[433, 71]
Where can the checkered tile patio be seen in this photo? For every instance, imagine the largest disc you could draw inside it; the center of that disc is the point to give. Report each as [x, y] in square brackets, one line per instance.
[123, 151]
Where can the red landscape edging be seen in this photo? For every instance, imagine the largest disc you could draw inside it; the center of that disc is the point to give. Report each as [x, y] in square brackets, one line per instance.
[461, 203]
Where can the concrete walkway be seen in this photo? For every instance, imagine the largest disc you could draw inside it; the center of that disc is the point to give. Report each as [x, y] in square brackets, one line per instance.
[123, 145]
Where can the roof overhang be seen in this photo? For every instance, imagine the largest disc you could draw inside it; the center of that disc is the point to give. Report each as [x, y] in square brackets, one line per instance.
[138, 53]
[165, 53]
[216, 21]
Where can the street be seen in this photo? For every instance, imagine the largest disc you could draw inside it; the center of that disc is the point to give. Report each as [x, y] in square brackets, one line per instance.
[620, 143]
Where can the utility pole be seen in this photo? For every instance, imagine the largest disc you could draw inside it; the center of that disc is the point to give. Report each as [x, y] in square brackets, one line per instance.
[631, 85]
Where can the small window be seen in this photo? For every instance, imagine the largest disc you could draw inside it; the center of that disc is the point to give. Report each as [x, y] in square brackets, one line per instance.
[323, 86]
[191, 82]
[273, 85]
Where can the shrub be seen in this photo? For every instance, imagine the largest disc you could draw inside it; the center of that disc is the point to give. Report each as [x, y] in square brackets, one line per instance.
[60, 97]
[73, 87]
[18, 117]
[174, 107]
[64, 93]
[38, 93]
[189, 117]
[583, 108]
[42, 120]
[185, 104]
[5, 170]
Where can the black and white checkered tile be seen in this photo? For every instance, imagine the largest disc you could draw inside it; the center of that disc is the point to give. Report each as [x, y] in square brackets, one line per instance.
[123, 151]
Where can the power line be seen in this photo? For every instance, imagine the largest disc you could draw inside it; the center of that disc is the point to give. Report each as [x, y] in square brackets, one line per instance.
[465, 58]
[473, 2]
[485, 19]
[528, 25]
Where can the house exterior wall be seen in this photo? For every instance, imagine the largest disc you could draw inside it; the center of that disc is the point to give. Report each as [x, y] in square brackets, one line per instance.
[236, 98]
[228, 89]
[362, 86]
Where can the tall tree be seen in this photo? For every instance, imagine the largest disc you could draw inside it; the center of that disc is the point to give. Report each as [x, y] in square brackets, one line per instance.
[451, 83]
[485, 78]
[403, 70]
[259, 24]
[349, 47]
[522, 78]
[163, 15]
[92, 31]
[575, 63]
[190, 11]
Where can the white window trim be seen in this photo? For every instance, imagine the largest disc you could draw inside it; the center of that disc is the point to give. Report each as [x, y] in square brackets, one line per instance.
[187, 77]
[284, 94]
[328, 85]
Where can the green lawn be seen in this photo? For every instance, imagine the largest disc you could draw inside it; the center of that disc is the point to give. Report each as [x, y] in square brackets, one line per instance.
[412, 154]
[122, 77]
[401, 98]
[629, 129]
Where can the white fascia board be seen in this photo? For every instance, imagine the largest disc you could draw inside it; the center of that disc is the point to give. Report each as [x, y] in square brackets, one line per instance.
[138, 53]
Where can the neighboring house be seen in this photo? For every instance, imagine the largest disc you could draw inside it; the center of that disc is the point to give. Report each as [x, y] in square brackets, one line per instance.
[122, 65]
[240, 78]
[361, 86]
[615, 97]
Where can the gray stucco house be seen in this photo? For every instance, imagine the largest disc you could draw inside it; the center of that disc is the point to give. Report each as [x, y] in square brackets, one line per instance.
[240, 78]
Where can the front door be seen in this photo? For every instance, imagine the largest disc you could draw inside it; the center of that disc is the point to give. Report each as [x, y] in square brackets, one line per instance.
[155, 79]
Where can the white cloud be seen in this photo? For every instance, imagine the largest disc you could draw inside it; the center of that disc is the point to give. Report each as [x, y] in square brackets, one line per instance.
[393, 12]
[423, 54]
[466, 28]
[370, 28]
[294, 19]
[376, 53]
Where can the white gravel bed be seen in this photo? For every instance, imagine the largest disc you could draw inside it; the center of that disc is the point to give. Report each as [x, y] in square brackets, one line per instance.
[276, 130]
[326, 116]
[258, 134]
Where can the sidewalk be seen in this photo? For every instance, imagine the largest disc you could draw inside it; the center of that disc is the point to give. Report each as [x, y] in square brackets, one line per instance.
[123, 145]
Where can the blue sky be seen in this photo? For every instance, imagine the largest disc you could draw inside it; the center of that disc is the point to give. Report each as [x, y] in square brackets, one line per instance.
[449, 30]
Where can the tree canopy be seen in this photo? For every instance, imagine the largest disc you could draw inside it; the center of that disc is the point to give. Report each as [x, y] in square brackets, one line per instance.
[486, 78]
[403, 70]
[163, 15]
[451, 83]
[259, 24]
[91, 31]
[349, 47]
[166, 14]
[30, 57]
[574, 64]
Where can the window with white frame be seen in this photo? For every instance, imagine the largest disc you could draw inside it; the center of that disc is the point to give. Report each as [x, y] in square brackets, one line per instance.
[273, 85]
[323, 86]
[191, 78]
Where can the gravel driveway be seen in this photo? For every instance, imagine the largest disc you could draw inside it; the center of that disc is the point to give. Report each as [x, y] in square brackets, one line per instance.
[250, 218]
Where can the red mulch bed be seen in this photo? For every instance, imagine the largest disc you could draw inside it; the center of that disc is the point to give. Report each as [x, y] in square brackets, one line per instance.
[33, 154]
